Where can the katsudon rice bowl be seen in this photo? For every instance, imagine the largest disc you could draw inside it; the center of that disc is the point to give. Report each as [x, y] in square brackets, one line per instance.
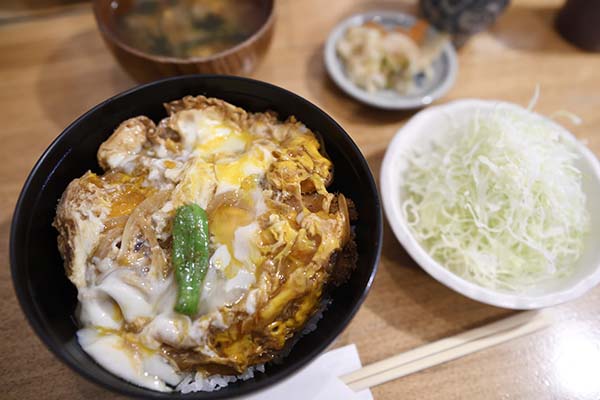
[211, 242]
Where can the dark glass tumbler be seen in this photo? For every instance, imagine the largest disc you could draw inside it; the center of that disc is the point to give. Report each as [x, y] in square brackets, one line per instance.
[462, 18]
[579, 22]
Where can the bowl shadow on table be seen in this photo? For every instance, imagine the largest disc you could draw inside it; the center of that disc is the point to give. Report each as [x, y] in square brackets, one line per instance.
[66, 93]
[412, 302]
[341, 106]
[531, 29]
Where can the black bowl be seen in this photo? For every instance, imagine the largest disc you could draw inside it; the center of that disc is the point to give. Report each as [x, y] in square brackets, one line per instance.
[49, 299]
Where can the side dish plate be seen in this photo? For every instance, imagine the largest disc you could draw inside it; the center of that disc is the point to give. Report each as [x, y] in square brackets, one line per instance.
[444, 67]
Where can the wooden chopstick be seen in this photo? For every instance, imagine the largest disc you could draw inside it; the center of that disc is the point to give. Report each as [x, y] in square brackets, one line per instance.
[440, 345]
[446, 350]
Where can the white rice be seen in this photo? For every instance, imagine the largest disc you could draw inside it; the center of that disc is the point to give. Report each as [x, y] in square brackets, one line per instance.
[200, 383]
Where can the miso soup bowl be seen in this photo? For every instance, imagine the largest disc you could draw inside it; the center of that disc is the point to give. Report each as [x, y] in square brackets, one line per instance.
[142, 66]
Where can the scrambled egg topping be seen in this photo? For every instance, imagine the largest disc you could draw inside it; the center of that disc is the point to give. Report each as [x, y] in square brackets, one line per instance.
[276, 233]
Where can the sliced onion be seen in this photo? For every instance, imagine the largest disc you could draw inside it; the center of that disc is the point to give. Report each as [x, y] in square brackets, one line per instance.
[140, 222]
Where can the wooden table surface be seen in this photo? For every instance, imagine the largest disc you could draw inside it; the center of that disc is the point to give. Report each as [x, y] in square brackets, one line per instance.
[54, 66]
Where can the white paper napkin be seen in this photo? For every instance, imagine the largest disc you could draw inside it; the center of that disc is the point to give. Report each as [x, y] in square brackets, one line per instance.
[319, 380]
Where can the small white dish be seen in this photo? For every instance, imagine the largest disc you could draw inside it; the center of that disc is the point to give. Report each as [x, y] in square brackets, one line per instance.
[421, 129]
[444, 67]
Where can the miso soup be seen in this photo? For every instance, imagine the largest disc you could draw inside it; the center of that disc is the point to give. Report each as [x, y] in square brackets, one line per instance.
[187, 28]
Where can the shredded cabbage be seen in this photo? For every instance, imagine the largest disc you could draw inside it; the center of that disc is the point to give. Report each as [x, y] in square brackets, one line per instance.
[498, 200]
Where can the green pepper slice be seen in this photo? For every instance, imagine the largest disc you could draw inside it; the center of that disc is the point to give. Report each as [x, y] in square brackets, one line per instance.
[190, 255]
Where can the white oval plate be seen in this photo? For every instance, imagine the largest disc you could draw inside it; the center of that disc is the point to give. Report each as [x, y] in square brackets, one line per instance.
[420, 130]
[444, 67]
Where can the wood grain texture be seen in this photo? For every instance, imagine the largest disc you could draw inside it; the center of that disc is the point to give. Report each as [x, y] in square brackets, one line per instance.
[18, 10]
[55, 68]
